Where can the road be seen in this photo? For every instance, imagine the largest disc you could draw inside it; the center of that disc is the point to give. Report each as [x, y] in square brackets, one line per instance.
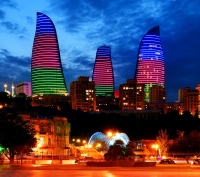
[84, 171]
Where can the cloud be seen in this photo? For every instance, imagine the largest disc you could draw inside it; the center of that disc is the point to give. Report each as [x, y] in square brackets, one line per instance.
[2, 14]
[6, 4]
[29, 20]
[9, 3]
[13, 68]
[122, 25]
[12, 27]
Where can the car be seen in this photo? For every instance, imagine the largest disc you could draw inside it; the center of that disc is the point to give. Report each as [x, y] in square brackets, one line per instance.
[196, 161]
[167, 161]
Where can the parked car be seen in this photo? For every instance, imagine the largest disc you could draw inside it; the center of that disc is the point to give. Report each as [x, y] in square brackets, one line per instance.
[196, 161]
[167, 161]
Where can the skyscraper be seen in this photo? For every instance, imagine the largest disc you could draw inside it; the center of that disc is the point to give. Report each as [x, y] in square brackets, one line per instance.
[150, 69]
[46, 69]
[103, 76]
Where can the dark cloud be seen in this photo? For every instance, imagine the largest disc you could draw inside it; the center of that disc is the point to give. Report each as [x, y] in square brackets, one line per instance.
[2, 14]
[8, 3]
[12, 27]
[83, 62]
[5, 4]
[29, 20]
[122, 24]
[13, 69]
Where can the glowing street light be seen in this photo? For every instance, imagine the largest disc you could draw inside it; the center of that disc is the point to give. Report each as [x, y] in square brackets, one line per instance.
[156, 147]
[84, 141]
[109, 134]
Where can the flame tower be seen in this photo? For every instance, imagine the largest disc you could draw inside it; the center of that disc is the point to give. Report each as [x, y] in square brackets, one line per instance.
[150, 69]
[46, 69]
[103, 76]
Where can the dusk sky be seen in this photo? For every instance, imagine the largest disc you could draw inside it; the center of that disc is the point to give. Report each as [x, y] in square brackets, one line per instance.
[84, 25]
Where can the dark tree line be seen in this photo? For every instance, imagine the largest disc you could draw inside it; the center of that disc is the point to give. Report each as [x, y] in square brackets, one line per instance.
[84, 124]
[16, 135]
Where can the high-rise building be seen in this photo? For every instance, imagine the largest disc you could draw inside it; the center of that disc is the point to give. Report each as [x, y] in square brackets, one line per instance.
[150, 69]
[103, 76]
[191, 101]
[82, 93]
[198, 88]
[157, 94]
[24, 87]
[182, 93]
[46, 69]
[131, 95]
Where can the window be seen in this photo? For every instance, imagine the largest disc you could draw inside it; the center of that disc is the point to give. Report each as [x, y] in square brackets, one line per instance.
[58, 129]
[49, 141]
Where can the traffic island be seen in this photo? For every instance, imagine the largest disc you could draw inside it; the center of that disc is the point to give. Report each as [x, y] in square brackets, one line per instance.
[121, 164]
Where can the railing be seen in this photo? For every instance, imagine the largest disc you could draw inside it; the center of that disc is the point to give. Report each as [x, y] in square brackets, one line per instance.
[27, 161]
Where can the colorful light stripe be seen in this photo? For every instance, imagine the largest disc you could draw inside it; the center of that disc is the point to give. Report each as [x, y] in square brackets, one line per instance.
[46, 69]
[150, 69]
[103, 72]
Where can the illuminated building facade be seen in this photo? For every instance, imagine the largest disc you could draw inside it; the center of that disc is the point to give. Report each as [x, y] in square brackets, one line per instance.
[24, 87]
[131, 95]
[191, 101]
[157, 94]
[150, 69]
[198, 88]
[49, 100]
[166, 107]
[52, 135]
[103, 76]
[82, 94]
[182, 93]
[46, 69]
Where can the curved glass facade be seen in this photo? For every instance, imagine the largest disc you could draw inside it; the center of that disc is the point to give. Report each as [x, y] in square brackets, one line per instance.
[108, 141]
[46, 69]
[150, 69]
[103, 76]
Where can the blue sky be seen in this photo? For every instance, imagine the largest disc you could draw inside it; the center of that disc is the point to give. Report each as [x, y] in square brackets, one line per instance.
[84, 25]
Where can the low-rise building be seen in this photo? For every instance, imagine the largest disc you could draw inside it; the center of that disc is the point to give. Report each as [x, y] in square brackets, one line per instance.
[52, 135]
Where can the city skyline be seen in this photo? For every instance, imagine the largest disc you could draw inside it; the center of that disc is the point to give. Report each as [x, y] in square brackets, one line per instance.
[83, 26]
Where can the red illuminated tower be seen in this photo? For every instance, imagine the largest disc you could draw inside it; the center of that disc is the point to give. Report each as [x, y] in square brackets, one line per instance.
[103, 76]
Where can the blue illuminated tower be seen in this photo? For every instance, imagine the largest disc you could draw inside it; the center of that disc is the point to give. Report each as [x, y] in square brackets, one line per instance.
[150, 69]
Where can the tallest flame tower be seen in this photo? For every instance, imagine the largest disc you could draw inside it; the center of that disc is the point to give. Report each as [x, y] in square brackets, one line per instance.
[46, 68]
[150, 69]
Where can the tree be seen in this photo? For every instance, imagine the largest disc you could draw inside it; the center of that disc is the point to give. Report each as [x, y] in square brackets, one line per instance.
[16, 135]
[129, 151]
[118, 151]
[186, 144]
[162, 141]
[115, 151]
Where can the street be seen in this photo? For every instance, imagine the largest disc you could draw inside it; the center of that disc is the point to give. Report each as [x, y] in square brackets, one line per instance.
[84, 171]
